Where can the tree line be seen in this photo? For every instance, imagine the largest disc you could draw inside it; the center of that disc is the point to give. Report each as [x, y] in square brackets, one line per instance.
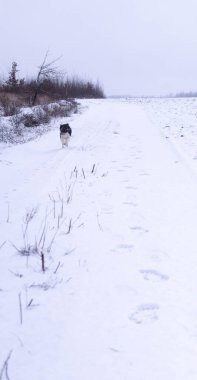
[49, 83]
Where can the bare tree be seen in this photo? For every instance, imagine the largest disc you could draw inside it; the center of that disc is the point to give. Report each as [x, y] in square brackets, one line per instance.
[47, 70]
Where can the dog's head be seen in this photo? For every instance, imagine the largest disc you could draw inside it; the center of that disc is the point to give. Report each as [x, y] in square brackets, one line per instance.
[65, 128]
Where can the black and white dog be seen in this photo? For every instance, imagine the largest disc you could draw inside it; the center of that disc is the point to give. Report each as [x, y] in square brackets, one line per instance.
[65, 134]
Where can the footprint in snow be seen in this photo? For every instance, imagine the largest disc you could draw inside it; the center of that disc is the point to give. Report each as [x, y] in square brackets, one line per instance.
[157, 255]
[130, 187]
[8, 163]
[152, 274]
[115, 350]
[145, 314]
[127, 203]
[144, 174]
[138, 229]
[120, 248]
[120, 170]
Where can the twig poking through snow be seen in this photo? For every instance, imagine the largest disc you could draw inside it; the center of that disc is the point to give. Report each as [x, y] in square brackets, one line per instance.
[8, 215]
[72, 223]
[4, 369]
[20, 308]
[16, 274]
[1, 246]
[69, 227]
[43, 262]
[74, 171]
[99, 224]
[54, 203]
[83, 173]
[29, 304]
[92, 171]
[55, 271]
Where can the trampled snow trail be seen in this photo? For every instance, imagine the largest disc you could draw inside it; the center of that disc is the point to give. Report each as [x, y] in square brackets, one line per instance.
[122, 304]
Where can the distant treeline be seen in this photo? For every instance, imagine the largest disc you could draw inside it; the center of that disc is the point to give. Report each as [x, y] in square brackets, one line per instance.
[49, 85]
[56, 88]
[190, 94]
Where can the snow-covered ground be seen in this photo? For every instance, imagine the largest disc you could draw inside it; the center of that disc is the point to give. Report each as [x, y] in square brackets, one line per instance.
[178, 119]
[98, 271]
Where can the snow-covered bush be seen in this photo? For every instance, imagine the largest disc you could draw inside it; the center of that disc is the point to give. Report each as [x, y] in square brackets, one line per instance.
[6, 134]
[28, 123]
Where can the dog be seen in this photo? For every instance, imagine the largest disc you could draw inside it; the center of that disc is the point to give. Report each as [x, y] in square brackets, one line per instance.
[65, 134]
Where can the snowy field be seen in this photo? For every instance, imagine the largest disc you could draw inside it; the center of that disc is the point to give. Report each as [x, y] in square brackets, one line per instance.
[178, 119]
[98, 246]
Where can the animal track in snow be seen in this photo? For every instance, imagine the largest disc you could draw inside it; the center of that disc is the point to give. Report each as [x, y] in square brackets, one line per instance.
[152, 274]
[120, 170]
[123, 247]
[138, 229]
[158, 255]
[127, 166]
[145, 314]
[127, 203]
[6, 162]
[144, 174]
[131, 187]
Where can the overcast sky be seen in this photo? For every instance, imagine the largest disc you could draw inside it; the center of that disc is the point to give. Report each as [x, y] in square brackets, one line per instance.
[133, 47]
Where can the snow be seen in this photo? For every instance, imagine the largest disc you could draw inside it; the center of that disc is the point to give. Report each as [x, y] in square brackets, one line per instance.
[114, 216]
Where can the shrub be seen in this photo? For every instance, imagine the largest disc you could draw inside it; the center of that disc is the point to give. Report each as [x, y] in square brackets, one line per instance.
[9, 107]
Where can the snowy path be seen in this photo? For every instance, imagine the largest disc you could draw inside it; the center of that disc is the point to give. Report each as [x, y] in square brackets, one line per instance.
[123, 304]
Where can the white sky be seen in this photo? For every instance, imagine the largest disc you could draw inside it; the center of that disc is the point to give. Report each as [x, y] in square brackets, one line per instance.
[133, 47]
